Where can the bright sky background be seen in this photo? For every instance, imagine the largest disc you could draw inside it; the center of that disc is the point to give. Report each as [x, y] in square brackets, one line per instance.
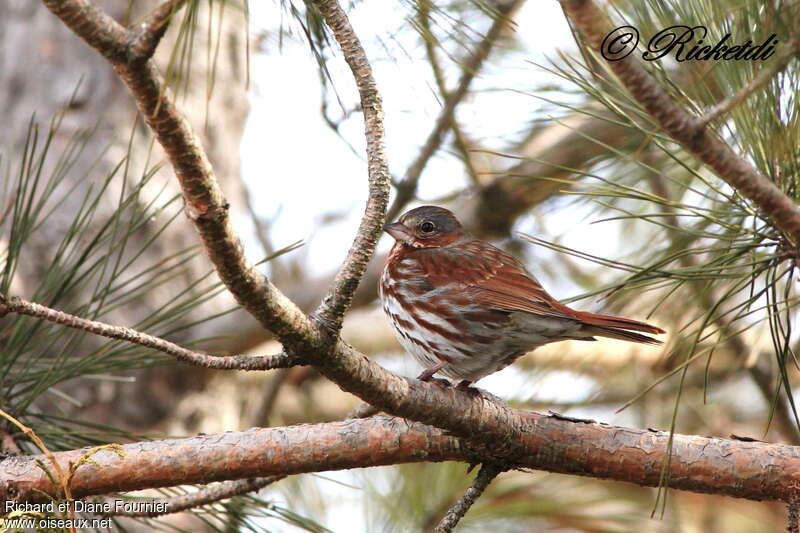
[288, 149]
[295, 165]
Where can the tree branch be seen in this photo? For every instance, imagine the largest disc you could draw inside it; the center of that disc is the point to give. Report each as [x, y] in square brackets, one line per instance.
[776, 65]
[144, 40]
[407, 188]
[94, 26]
[337, 301]
[235, 362]
[689, 131]
[449, 521]
[204, 496]
[751, 470]
[550, 155]
[708, 298]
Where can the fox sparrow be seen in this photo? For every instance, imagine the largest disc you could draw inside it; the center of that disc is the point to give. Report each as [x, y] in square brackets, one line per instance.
[466, 309]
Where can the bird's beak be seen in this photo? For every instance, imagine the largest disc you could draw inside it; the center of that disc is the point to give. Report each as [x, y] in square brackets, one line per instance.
[398, 231]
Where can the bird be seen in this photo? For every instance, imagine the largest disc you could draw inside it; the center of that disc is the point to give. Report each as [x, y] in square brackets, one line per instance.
[466, 309]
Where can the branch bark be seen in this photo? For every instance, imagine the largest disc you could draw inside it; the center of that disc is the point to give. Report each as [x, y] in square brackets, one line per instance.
[235, 362]
[751, 470]
[205, 496]
[145, 39]
[485, 476]
[340, 295]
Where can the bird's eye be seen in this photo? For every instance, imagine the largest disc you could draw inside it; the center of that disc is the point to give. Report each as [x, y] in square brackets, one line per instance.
[427, 226]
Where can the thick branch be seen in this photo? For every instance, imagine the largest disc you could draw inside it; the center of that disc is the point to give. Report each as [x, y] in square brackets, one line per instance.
[752, 470]
[236, 362]
[337, 301]
[688, 130]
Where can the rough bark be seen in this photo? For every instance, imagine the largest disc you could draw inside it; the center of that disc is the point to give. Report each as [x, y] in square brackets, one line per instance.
[743, 469]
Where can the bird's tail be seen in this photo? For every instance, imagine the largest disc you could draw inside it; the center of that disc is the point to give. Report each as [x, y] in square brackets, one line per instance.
[618, 328]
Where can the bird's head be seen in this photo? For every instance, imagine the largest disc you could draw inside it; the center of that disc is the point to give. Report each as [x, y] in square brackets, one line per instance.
[425, 227]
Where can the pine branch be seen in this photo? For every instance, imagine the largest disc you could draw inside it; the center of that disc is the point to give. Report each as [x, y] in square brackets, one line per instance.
[340, 294]
[205, 496]
[449, 521]
[237, 362]
[549, 156]
[144, 40]
[744, 469]
[777, 64]
[786, 425]
[688, 130]
[484, 423]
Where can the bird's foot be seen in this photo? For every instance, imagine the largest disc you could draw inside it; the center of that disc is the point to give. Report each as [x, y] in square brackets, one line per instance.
[473, 391]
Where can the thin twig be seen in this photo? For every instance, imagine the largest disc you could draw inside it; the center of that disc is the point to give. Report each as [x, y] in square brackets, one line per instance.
[487, 473]
[429, 39]
[793, 519]
[336, 302]
[236, 362]
[144, 40]
[771, 68]
[406, 189]
[363, 410]
[205, 496]
[593, 24]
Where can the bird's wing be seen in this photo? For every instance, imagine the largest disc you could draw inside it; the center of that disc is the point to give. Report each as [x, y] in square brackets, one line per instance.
[492, 278]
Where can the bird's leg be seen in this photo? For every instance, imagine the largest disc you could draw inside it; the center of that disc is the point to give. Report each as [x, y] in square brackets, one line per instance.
[427, 374]
[464, 385]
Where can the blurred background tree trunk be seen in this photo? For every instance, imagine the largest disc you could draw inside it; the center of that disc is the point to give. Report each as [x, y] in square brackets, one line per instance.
[43, 67]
